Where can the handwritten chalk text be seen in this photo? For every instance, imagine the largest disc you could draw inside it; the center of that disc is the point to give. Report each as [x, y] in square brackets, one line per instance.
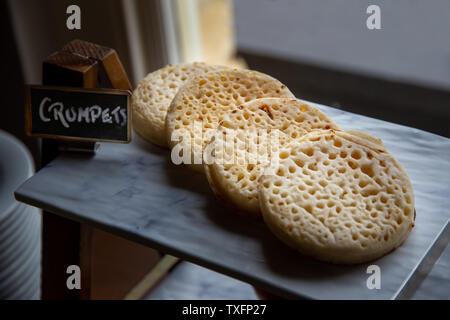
[56, 111]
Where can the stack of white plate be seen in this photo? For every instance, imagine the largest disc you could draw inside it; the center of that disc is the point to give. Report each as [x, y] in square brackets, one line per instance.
[20, 225]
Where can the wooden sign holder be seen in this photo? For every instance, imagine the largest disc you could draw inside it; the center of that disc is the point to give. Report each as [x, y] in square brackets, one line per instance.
[79, 64]
[88, 65]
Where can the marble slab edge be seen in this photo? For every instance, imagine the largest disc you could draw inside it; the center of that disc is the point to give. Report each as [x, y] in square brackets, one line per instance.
[234, 273]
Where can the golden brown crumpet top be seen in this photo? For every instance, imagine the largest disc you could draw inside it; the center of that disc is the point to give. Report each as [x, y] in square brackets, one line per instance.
[207, 98]
[153, 95]
[235, 180]
[339, 197]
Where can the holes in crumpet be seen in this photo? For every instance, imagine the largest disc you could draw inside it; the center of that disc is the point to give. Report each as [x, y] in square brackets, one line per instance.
[309, 152]
[369, 192]
[284, 155]
[308, 208]
[299, 163]
[323, 183]
[367, 169]
[337, 143]
[363, 183]
[356, 154]
[352, 164]
[407, 211]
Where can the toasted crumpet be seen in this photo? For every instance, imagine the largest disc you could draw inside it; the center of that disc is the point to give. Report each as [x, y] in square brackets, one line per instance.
[207, 98]
[153, 95]
[235, 180]
[339, 197]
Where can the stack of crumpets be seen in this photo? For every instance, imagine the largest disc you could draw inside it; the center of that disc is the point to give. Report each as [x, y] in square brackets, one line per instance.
[338, 196]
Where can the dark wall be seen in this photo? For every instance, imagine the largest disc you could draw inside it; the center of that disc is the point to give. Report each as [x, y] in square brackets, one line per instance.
[323, 51]
[411, 105]
[12, 84]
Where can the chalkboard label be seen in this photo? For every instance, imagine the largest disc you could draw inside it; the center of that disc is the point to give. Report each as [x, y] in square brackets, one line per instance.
[78, 113]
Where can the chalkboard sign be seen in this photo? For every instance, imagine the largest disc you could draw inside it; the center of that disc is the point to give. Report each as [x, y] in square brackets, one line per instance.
[78, 113]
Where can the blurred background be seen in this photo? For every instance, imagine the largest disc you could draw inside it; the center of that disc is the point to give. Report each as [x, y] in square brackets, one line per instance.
[322, 50]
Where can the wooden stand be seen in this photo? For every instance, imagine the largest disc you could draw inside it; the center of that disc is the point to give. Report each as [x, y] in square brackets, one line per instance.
[64, 242]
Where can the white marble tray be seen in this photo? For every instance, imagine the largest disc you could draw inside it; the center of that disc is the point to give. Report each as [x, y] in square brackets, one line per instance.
[135, 192]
